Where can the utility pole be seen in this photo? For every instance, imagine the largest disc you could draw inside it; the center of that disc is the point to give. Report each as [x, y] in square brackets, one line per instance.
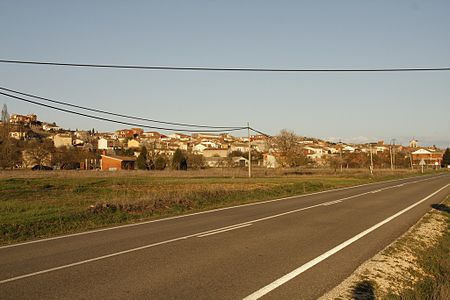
[393, 154]
[249, 152]
[371, 160]
[390, 155]
[411, 161]
[340, 153]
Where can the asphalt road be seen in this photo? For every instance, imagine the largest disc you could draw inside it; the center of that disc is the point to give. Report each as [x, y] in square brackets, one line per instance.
[294, 248]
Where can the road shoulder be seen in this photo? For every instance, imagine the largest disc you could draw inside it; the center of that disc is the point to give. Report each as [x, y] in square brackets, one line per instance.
[403, 267]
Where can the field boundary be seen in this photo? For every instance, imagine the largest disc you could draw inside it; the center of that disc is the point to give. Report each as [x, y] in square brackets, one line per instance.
[427, 177]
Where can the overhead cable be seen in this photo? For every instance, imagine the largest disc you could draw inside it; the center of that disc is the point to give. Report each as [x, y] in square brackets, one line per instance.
[220, 69]
[112, 120]
[223, 128]
[260, 132]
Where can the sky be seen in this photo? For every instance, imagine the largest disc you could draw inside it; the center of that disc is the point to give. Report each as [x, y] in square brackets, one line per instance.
[359, 107]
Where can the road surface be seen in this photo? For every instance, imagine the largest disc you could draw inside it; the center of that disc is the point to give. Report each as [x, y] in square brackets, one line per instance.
[293, 248]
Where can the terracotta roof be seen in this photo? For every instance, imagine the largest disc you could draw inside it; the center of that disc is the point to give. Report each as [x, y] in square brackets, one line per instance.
[216, 149]
[123, 158]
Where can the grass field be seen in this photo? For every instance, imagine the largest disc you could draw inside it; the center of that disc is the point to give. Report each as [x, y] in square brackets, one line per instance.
[41, 204]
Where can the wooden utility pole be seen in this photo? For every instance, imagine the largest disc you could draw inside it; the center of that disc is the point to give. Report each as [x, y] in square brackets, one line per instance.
[390, 155]
[393, 154]
[249, 152]
[371, 160]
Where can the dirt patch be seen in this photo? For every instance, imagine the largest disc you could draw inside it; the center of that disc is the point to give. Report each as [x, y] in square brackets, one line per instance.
[396, 267]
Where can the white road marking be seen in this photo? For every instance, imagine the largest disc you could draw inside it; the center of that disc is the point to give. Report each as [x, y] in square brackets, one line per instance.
[291, 275]
[172, 240]
[224, 230]
[209, 211]
[331, 203]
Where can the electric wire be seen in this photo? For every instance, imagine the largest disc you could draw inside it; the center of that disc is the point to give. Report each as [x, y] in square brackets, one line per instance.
[238, 69]
[115, 121]
[260, 132]
[223, 128]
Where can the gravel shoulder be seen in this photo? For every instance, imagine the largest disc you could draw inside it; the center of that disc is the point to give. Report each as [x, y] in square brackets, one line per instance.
[399, 267]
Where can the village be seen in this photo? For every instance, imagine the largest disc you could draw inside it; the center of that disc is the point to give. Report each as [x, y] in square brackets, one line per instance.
[43, 145]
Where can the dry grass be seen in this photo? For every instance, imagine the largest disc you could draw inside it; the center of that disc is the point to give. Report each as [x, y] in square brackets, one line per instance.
[211, 172]
[45, 203]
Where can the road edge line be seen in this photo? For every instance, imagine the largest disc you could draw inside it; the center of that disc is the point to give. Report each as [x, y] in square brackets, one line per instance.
[291, 275]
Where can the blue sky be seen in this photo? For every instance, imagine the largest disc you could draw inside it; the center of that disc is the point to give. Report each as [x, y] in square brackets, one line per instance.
[280, 34]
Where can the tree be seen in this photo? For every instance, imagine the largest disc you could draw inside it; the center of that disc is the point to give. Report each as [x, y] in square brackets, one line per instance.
[355, 160]
[237, 153]
[402, 159]
[124, 152]
[69, 158]
[39, 153]
[333, 161]
[195, 161]
[5, 115]
[289, 148]
[160, 162]
[10, 149]
[142, 160]
[179, 161]
[382, 160]
[446, 158]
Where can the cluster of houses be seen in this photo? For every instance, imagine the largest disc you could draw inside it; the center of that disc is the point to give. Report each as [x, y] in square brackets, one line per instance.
[218, 150]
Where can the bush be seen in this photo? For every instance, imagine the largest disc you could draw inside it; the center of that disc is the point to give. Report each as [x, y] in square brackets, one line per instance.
[160, 162]
[179, 161]
[141, 161]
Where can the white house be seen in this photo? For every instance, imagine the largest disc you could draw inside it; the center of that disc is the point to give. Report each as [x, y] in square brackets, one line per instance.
[102, 144]
[199, 148]
[62, 140]
[270, 161]
[348, 149]
[106, 144]
[314, 152]
[243, 147]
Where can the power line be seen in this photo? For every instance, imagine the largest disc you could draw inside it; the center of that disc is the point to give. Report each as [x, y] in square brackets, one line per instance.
[111, 120]
[260, 132]
[115, 114]
[223, 128]
[239, 69]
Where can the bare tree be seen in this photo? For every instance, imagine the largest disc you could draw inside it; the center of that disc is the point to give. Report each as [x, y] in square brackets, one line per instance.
[333, 161]
[10, 154]
[69, 158]
[38, 153]
[287, 143]
[195, 161]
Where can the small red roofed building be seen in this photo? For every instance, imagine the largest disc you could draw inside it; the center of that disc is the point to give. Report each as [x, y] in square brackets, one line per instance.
[115, 163]
[431, 157]
[124, 133]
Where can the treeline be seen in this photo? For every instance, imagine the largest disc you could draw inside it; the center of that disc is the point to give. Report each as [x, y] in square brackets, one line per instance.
[39, 152]
[180, 160]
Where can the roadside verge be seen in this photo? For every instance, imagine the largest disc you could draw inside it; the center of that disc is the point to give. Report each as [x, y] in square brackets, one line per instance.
[415, 266]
